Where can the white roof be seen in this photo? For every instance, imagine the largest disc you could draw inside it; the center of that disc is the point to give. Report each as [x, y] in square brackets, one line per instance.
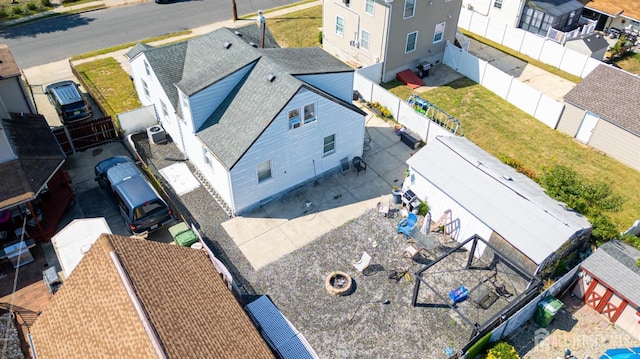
[74, 240]
[508, 202]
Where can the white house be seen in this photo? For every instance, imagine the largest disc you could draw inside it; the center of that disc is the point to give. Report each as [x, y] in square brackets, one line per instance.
[489, 198]
[256, 122]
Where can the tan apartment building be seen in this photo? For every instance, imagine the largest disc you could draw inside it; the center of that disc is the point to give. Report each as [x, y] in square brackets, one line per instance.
[396, 34]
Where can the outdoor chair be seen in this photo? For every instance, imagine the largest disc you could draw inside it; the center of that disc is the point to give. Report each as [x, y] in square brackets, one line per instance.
[406, 225]
[363, 263]
[359, 165]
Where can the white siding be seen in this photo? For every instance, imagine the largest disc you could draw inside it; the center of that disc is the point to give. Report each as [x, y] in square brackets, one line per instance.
[465, 224]
[215, 173]
[339, 85]
[293, 153]
[206, 101]
[140, 74]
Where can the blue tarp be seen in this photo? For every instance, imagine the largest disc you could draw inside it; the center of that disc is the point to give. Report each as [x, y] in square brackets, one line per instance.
[622, 353]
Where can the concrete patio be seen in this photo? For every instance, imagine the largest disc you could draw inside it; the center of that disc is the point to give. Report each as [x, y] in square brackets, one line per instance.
[289, 223]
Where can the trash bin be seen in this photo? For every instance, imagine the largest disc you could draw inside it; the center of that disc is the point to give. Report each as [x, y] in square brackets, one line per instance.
[182, 234]
[547, 310]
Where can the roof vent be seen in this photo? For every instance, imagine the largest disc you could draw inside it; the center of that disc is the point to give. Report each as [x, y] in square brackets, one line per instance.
[252, 44]
[238, 33]
[271, 77]
[506, 178]
[227, 45]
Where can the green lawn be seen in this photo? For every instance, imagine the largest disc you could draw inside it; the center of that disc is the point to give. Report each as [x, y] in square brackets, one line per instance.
[630, 63]
[110, 84]
[502, 129]
[297, 29]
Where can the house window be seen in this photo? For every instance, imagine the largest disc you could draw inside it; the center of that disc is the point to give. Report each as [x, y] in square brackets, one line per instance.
[412, 39]
[309, 113]
[368, 6]
[146, 68]
[497, 4]
[329, 145]
[438, 34]
[409, 8]
[339, 25]
[165, 113]
[207, 157]
[364, 39]
[264, 171]
[294, 119]
[145, 88]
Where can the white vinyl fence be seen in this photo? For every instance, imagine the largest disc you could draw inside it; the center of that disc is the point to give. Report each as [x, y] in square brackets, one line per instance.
[401, 111]
[535, 103]
[528, 311]
[527, 43]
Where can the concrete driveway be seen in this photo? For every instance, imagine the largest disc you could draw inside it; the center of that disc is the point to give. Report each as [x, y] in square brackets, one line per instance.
[40, 77]
[549, 84]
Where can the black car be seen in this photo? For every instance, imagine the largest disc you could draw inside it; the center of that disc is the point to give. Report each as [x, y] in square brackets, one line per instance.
[68, 101]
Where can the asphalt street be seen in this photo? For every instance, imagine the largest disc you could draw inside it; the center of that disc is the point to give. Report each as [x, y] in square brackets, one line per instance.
[61, 37]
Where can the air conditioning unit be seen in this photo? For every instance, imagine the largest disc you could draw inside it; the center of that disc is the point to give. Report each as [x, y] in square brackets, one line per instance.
[156, 134]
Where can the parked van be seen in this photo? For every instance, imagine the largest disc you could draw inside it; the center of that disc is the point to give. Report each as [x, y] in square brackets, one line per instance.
[70, 104]
[140, 205]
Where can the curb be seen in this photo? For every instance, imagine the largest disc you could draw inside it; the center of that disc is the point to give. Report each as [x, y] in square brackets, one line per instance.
[50, 14]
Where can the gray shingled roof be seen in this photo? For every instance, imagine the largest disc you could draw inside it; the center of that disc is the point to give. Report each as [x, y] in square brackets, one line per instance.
[250, 107]
[136, 49]
[614, 263]
[38, 157]
[247, 111]
[306, 61]
[610, 93]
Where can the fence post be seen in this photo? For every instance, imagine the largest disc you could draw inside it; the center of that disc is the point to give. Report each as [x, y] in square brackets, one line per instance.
[70, 139]
[398, 112]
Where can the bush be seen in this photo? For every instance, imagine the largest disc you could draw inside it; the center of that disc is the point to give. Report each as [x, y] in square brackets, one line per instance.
[32, 6]
[423, 209]
[3, 12]
[503, 350]
[17, 10]
[320, 37]
[45, 3]
[517, 165]
[592, 199]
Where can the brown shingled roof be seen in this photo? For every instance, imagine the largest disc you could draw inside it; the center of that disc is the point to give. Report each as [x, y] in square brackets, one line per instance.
[611, 94]
[189, 306]
[8, 66]
[626, 8]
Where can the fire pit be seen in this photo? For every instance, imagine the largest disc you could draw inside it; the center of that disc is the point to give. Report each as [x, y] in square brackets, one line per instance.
[338, 283]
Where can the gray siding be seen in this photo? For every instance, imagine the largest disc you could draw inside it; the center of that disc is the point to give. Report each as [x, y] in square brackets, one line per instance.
[206, 101]
[617, 143]
[294, 153]
[570, 120]
[14, 96]
[338, 85]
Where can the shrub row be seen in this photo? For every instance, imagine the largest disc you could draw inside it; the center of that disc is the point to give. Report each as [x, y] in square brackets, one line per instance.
[26, 8]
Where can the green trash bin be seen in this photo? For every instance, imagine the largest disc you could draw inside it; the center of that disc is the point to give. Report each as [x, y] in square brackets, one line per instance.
[547, 310]
[183, 235]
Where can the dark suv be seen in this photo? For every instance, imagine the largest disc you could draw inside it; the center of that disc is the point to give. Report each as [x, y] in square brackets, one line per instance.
[140, 205]
[68, 101]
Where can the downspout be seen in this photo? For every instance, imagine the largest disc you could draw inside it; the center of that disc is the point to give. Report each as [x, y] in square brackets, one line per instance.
[386, 41]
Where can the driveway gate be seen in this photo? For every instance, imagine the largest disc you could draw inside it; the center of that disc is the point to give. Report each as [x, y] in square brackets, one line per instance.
[79, 136]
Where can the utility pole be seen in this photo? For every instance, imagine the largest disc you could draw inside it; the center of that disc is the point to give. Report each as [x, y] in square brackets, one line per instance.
[235, 10]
